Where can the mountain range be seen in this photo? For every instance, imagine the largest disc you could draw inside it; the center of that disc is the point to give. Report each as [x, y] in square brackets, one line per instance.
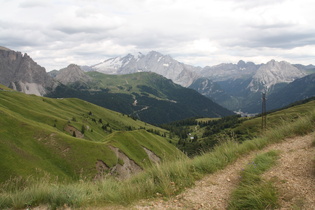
[143, 95]
[237, 87]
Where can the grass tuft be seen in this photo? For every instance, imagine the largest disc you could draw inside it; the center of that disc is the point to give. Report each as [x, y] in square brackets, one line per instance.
[253, 192]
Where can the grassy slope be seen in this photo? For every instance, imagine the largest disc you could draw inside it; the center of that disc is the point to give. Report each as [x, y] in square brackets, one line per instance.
[166, 179]
[252, 127]
[33, 140]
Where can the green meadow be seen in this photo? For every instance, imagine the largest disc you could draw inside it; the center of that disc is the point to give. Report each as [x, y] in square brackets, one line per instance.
[66, 137]
[45, 165]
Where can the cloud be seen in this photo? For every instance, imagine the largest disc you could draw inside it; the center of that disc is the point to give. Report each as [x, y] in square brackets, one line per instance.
[288, 40]
[200, 32]
[34, 3]
[85, 20]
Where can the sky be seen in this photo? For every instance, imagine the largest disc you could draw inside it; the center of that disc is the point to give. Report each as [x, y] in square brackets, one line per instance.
[56, 33]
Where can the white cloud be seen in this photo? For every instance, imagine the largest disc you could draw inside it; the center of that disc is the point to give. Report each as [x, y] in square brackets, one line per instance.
[33, 3]
[201, 32]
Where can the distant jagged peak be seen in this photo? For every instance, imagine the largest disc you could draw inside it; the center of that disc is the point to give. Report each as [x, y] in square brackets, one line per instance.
[273, 62]
[281, 67]
[241, 63]
[136, 55]
[73, 68]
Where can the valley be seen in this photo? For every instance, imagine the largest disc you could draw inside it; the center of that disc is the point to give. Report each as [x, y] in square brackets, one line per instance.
[159, 100]
[150, 128]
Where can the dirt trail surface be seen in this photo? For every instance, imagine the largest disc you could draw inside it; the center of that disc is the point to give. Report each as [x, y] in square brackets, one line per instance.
[293, 176]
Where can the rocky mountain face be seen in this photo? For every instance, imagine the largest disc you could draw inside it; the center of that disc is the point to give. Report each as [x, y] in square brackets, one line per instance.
[273, 73]
[164, 65]
[71, 74]
[242, 84]
[234, 86]
[21, 73]
[226, 71]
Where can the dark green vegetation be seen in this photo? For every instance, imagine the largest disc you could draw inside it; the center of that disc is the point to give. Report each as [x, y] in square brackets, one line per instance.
[67, 138]
[197, 136]
[253, 192]
[165, 179]
[146, 96]
[297, 90]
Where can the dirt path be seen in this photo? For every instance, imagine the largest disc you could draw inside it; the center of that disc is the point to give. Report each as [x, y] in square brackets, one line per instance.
[294, 178]
[294, 175]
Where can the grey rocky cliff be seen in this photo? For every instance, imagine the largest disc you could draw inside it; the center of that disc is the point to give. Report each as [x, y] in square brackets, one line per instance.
[273, 73]
[226, 71]
[70, 74]
[21, 73]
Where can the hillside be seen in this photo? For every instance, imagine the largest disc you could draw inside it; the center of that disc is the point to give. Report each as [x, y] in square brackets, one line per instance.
[216, 174]
[206, 181]
[146, 96]
[297, 90]
[71, 139]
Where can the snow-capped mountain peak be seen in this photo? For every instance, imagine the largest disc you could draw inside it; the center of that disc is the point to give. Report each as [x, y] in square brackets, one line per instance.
[154, 61]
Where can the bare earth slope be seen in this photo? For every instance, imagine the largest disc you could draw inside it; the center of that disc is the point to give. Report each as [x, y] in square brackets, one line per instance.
[294, 178]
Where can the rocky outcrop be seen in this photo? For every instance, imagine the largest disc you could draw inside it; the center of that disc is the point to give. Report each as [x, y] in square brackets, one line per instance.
[21, 73]
[152, 156]
[71, 74]
[126, 168]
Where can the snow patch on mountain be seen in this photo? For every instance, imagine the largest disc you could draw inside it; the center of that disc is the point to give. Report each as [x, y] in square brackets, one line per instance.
[164, 65]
